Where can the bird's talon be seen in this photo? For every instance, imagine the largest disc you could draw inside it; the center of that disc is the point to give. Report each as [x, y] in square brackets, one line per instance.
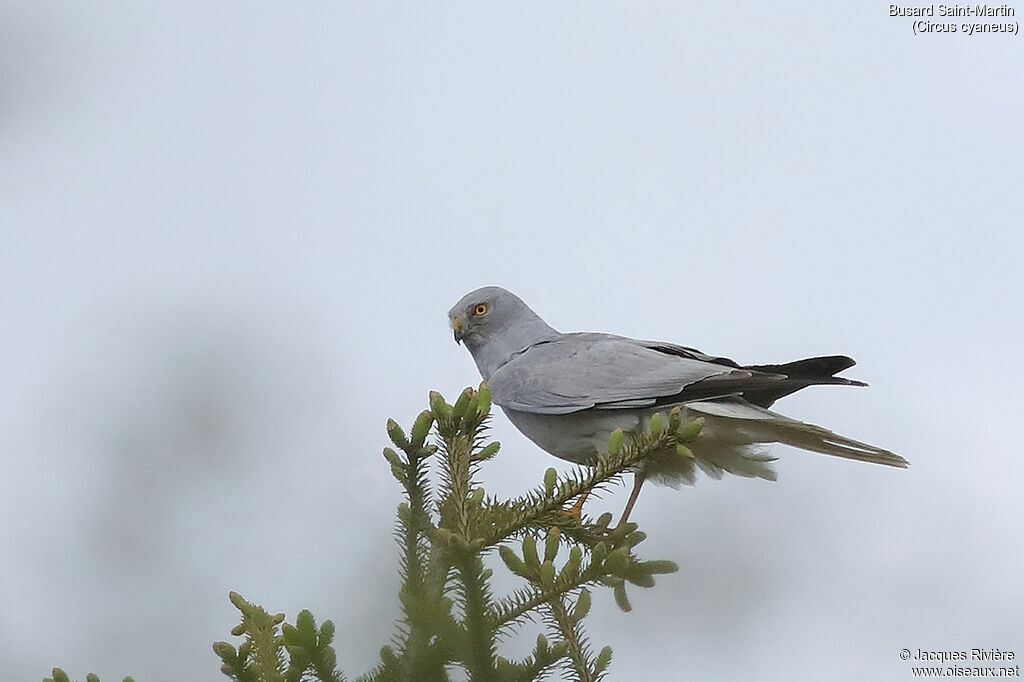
[576, 510]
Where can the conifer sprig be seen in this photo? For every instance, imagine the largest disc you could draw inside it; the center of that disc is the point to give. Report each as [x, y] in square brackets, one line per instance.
[447, 529]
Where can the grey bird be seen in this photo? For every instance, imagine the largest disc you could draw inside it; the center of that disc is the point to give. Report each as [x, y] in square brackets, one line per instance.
[568, 392]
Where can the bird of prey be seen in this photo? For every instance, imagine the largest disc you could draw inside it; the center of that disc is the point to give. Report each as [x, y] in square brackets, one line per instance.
[568, 392]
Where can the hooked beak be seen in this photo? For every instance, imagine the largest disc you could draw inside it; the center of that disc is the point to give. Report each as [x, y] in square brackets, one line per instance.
[457, 329]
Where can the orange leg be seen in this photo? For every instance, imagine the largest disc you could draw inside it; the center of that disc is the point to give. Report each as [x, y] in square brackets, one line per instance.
[576, 510]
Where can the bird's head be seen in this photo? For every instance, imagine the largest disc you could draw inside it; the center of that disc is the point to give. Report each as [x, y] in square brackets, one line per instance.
[482, 313]
[495, 323]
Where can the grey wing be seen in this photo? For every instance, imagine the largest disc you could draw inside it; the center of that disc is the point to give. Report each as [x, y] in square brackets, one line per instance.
[687, 352]
[574, 372]
[800, 374]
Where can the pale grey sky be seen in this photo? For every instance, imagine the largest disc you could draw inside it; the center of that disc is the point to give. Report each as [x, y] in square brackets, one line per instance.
[230, 237]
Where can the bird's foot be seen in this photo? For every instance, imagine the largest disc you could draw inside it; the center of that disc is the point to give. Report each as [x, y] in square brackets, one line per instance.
[576, 510]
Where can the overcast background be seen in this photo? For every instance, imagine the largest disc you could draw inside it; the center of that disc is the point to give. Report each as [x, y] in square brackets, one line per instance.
[230, 237]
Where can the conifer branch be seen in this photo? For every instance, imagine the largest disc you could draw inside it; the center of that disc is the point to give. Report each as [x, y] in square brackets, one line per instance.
[521, 602]
[58, 675]
[578, 649]
[534, 666]
[514, 515]
[414, 529]
[449, 615]
[480, 638]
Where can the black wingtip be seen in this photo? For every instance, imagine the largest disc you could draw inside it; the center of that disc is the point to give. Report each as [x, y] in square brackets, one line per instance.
[815, 369]
[801, 374]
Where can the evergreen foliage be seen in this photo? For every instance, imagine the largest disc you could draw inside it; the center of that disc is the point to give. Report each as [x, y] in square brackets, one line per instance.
[446, 528]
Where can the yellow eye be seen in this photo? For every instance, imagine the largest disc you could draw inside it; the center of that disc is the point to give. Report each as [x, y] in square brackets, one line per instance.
[480, 309]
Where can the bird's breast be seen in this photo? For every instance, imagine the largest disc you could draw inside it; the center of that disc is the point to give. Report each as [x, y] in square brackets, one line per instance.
[576, 437]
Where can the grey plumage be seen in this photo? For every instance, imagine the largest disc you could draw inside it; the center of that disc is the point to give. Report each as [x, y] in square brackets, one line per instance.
[568, 392]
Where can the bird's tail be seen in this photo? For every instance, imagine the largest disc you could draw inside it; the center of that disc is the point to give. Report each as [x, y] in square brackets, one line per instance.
[800, 374]
[757, 425]
[714, 459]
